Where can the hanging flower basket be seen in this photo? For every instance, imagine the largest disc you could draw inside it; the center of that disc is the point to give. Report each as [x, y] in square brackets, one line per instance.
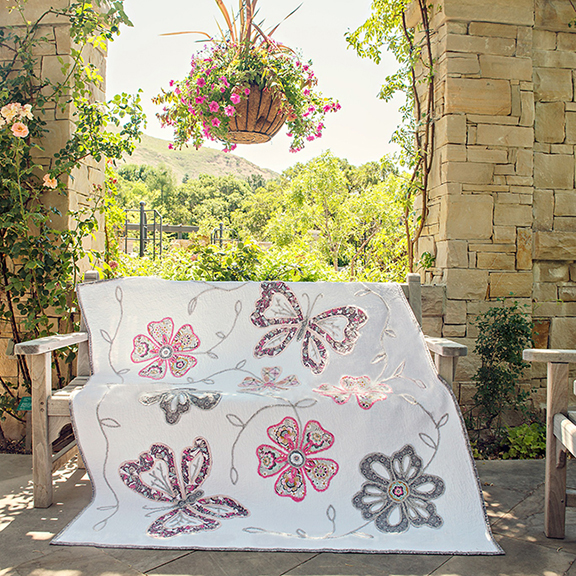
[258, 118]
[243, 89]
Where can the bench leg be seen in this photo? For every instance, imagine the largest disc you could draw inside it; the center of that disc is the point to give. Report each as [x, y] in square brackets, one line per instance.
[41, 368]
[555, 483]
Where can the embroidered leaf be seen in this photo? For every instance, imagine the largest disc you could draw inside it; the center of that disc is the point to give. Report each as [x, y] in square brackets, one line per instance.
[208, 381]
[235, 420]
[398, 372]
[212, 355]
[410, 399]
[192, 305]
[379, 358]
[233, 475]
[123, 371]
[240, 364]
[221, 335]
[420, 384]
[301, 533]
[442, 421]
[119, 294]
[428, 440]
[305, 403]
[106, 336]
[110, 423]
[254, 530]
[238, 306]
[331, 513]
[364, 292]
[390, 332]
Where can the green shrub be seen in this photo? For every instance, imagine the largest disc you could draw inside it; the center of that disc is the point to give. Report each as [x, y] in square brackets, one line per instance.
[504, 332]
[526, 441]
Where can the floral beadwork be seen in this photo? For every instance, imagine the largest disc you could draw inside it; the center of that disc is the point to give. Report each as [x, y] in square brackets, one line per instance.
[292, 462]
[164, 350]
[400, 494]
[366, 392]
[279, 309]
[155, 477]
[269, 381]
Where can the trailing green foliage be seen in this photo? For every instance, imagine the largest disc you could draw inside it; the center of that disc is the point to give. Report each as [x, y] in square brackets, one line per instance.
[40, 248]
[504, 332]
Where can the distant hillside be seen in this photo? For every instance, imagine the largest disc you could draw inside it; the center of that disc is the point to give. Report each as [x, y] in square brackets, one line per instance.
[154, 151]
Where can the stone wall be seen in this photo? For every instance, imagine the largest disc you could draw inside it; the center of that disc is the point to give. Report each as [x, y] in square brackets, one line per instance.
[80, 186]
[502, 219]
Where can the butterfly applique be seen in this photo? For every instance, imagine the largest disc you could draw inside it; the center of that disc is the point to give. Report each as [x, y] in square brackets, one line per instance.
[186, 509]
[278, 308]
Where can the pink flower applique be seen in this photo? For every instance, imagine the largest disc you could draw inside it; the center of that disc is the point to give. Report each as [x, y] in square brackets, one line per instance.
[269, 381]
[164, 350]
[366, 392]
[292, 462]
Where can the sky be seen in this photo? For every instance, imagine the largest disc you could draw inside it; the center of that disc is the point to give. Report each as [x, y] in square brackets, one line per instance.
[359, 132]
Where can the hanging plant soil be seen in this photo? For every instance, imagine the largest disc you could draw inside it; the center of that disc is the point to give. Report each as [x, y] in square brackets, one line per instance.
[258, 118]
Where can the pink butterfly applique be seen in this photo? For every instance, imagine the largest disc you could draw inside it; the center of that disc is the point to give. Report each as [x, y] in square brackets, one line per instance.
[279, 308]
[187, 510]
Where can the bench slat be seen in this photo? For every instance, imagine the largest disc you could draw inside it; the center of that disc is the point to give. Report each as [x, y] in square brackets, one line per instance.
[58, 403]
[49, 343]
[565, 431]
[546, 355]
[446, 347]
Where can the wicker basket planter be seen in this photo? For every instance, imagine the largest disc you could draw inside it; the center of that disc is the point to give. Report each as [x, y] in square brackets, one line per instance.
[258, 117]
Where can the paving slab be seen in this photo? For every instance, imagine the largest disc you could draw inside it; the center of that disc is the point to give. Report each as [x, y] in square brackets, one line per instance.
[234, 564]
[75, 561]
[369, 564]
[522, 558]
[145, 560]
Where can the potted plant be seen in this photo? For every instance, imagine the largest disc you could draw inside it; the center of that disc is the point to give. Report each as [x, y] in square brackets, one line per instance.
[243, 87]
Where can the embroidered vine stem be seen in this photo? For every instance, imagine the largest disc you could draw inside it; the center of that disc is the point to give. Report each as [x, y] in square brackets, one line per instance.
[106, 423]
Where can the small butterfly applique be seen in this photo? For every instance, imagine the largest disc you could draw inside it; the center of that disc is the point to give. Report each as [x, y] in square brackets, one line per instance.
[279, 308]
[185, 507]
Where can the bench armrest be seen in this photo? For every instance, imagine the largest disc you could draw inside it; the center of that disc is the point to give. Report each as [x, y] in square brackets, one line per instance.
[49, 343]
[445, 347]
[546, 355]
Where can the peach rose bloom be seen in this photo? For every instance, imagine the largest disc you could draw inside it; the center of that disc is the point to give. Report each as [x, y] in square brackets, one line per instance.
[50, 182]
[20, 130]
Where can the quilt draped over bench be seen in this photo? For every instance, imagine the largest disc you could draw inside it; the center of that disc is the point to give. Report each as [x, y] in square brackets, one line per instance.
[269, 416]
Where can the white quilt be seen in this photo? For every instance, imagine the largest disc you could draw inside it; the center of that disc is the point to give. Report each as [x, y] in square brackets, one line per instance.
[272, 416]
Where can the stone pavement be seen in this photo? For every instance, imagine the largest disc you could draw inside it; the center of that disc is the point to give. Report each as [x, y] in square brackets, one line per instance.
[513, 491]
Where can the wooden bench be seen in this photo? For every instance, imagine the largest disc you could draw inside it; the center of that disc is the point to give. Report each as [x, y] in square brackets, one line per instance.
[560, 437]
[51, 411]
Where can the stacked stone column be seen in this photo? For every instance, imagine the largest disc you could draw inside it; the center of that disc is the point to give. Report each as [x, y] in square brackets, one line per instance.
[502, 219]
[81, 191]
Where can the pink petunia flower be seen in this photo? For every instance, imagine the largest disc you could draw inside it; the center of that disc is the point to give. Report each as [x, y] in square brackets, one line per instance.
[292, 461]
[214, 106]
[247, 91]
[201, 82]
[216, 122]
[229, 110]
[200, 99]
[170, 146]
[235, 98]
[165, 350]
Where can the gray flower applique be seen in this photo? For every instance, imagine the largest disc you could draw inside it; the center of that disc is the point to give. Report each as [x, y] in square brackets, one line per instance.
[398, 495]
